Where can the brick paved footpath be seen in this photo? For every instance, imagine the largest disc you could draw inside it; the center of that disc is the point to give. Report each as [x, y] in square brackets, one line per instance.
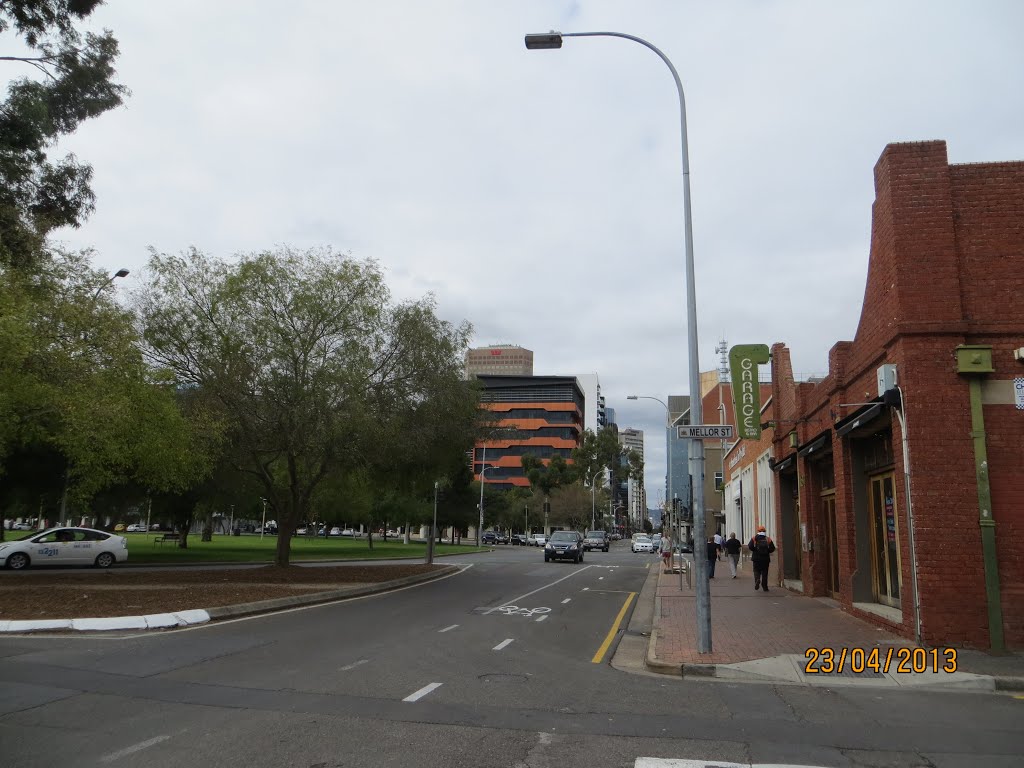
[748, 625]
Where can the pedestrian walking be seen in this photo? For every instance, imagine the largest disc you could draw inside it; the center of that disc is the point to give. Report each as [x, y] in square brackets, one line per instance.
[713, 549]
[666, 552]
[732, 549]
[762, 546]
[719, 541]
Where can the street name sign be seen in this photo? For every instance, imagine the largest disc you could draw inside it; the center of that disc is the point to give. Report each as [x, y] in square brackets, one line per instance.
[705, 432]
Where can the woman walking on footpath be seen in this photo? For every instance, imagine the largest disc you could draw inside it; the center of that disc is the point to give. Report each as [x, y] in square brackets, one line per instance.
[732, 548]
[762, 547]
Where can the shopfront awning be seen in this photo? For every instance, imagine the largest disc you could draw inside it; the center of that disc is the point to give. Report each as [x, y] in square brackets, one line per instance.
[816, 446]
[864, 416]
[782, 466]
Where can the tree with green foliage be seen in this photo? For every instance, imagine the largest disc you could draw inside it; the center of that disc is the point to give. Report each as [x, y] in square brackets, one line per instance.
[71, 81]
[310, 363]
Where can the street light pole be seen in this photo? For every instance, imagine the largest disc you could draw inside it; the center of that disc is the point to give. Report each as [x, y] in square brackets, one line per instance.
[120, 273]
[480, 528]
[263, 528]
[593, 498]
[703, 590]
[433, 529]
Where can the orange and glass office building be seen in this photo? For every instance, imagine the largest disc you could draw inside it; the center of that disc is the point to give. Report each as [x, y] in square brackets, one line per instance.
[539, 415]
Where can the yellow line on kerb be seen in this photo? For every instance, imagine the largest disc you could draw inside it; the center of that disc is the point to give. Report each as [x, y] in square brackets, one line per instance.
[599, 656]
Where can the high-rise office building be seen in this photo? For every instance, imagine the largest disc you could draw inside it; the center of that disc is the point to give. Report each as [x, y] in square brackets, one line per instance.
[499, 359]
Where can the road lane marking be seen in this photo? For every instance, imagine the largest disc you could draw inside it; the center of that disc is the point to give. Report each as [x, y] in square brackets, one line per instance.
[542, 618]
[599, 656]
[132, 749]
[353, 665]
[566, 600]
[502, 644]
[422, 692]
[575, 572]
[586, 589]
[446, 629]
[599, 578]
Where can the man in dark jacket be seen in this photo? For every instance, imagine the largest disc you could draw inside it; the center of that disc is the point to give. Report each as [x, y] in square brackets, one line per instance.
[732, 551]
[762, 548]
[713, 549]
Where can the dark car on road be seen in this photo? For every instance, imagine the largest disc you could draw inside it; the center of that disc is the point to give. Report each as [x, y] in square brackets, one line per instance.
[564, 545]
[596, 540]
[489, 537]
[520, 539]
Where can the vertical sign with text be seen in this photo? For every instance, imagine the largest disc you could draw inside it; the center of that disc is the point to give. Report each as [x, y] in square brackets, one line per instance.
[746, 391]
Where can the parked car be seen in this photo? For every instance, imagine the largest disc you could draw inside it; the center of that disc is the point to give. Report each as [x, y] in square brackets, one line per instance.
[521, 539]
[136, 528]
[502, 538]
[347, 532]
[119, 527]
[564, 545]
[335, 531]
[537, 540]
[489, 537]
[642, 544]
[596, 540]
[64, 546]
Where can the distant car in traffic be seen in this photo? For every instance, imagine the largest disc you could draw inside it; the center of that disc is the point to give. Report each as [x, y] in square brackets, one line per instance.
[596, 540]
[564, 545]
[537, 540]
[642, 544]
[64, 546]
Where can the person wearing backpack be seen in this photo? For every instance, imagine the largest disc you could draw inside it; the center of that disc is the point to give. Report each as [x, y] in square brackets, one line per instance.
[762, 547]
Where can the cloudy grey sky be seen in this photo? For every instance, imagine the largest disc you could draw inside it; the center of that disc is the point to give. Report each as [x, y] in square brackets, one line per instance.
[538, 194]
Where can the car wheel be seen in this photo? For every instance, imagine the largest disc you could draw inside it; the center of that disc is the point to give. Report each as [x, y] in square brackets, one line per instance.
[104, 560]
[605, 549]
[18, 561]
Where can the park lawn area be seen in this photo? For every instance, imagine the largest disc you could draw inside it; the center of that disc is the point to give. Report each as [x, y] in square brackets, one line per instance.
[142, 548]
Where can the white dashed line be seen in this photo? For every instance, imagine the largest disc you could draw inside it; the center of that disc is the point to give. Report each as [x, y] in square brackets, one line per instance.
[132, 749]
[446, 629]
[566, 600]
[600, 577]
[586, 589]
[502, 644]
[353, 665]
[422, 692]
[542, 617]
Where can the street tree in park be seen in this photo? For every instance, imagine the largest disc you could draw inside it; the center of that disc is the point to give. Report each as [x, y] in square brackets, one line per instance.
[57, 79]
[307, 360]
[571, 507]
[74, 387]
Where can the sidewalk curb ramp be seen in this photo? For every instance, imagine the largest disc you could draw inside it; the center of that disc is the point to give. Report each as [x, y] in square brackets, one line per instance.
[202, 616]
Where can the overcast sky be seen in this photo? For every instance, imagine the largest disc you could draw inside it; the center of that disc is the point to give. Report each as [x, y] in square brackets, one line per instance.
[538, 194]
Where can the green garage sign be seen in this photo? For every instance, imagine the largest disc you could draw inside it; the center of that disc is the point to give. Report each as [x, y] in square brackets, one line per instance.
[746, 392]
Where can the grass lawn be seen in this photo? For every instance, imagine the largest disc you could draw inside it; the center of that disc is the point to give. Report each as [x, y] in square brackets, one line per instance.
[251, 549]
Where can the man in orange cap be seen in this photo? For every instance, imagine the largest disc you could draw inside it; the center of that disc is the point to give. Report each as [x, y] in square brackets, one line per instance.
[762, 547]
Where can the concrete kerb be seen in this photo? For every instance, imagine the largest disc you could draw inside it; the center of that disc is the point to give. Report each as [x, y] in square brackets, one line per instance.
[200, 616]
[268, 606]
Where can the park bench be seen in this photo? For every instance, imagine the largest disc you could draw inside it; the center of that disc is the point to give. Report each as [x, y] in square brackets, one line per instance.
[167, 537]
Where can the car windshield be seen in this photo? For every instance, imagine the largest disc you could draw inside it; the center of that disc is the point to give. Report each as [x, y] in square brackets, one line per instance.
[596, 534]
[563, 536]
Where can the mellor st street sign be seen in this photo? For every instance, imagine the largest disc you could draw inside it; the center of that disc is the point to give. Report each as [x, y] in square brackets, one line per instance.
[705, 432]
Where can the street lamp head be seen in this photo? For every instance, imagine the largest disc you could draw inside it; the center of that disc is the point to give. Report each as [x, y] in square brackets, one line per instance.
[551, 39]
[631, 397]
[122, 272]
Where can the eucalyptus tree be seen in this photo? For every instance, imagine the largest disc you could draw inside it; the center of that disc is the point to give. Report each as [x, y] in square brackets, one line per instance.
[62, 79]
[308, 360]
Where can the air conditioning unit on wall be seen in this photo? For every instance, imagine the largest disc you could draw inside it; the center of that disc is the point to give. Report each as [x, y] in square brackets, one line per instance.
[886, 378]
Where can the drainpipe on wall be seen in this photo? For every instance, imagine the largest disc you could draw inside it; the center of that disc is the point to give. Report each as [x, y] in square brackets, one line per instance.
[910, 516]
[974, 361]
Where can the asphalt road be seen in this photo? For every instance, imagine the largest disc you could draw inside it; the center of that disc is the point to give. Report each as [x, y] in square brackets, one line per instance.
[447, 674]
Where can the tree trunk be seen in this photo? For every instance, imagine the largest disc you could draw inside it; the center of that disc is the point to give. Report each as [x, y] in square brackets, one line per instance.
[283, 552]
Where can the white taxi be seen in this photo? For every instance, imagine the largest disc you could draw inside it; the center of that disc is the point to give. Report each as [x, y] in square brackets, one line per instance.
[64, 546]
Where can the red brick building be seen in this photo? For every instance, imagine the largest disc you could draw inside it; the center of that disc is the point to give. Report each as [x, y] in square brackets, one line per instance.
[900, 476]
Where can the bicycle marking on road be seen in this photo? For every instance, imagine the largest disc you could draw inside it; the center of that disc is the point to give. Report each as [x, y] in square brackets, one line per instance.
[503, 644]
[556, 581]
[353, 665]
[447, 629]
[515, 610]
[422, 692]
